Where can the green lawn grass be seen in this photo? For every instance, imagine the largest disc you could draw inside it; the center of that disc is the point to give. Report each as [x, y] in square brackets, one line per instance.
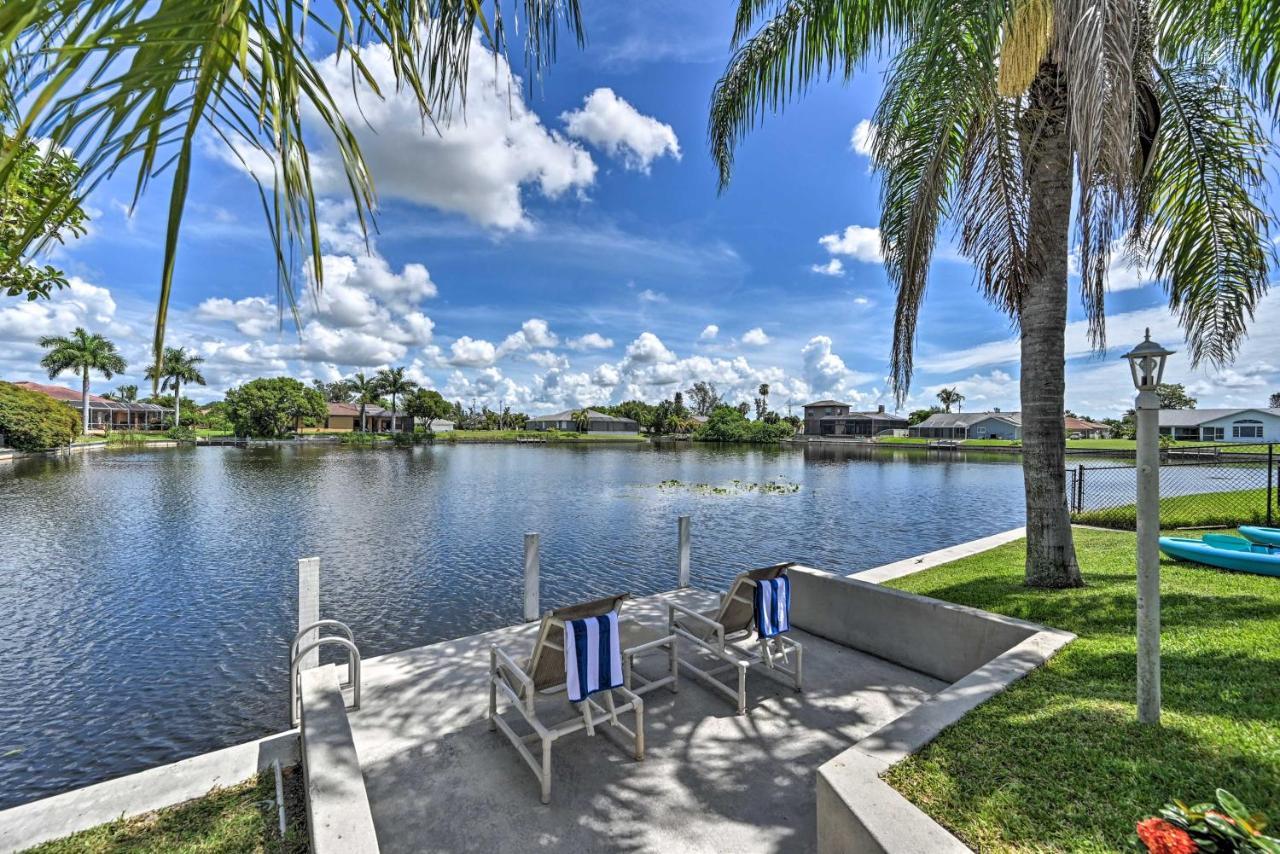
[238, 819]
[550, 436]
[1205, 510]
[1058, 762]
[139, 437]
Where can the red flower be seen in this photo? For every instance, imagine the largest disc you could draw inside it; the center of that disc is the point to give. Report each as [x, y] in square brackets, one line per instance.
[1161, 837]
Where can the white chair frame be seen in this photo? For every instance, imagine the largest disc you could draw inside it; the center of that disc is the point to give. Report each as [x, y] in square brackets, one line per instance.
[590, 712]
[735, 649]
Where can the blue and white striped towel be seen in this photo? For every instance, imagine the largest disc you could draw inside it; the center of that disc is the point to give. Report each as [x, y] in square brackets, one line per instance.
[773, 606]
[592, 655]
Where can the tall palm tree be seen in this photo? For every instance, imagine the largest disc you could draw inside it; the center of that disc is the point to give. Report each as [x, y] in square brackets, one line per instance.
[367, 391]
[242, 74]
[582, 420]
[392, 381]
[177, 367]
[1009, 118]
[950, 397]
[83, 352]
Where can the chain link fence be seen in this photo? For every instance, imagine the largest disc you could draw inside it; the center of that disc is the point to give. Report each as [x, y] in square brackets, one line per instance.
[1205, 487]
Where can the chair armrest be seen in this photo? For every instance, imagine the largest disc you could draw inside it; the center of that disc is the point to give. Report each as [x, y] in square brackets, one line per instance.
[499, 658]
[716, 628]
[633, 651]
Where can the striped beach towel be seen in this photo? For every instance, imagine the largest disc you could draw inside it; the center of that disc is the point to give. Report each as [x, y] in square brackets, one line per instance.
[773, 606]
[592, 655]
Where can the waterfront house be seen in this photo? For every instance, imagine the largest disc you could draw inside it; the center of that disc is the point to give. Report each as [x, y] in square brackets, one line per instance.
[1221, 425]
[1082, 428]
[344, 417]
[833, 418]
[597, 422]
[970, 425]
[106, 414]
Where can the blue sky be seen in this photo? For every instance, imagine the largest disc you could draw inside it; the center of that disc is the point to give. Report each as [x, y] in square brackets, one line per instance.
[568, 247]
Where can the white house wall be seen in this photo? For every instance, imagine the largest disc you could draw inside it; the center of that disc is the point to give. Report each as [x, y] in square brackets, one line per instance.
[1270, 426]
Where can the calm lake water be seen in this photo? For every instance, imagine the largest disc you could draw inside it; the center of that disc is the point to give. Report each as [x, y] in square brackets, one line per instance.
[147, 597]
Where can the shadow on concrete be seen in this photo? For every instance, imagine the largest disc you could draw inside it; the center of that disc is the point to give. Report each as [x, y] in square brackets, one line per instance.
[439, 780]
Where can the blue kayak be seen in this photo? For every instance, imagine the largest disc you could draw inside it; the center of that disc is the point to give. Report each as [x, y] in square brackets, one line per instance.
[1266, 536]
[1224, 552]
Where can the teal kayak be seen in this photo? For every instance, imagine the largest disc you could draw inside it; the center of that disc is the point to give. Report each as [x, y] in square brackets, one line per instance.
[1266, 536]
[1220, 551]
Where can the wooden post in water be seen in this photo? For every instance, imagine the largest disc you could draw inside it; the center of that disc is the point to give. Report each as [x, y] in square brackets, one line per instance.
[682, 572]
[531, 571]
[309, 607]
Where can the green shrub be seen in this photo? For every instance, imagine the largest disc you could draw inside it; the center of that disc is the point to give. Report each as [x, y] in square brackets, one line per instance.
[728, 424]
[31, 421]
[273, 407]
[182, 433]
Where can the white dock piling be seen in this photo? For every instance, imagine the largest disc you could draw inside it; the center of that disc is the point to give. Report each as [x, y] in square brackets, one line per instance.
[309, 606]
[531, 570]
[682, 572]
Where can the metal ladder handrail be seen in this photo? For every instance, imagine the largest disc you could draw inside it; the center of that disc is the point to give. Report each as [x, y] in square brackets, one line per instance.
[353, 671]
[293, 647]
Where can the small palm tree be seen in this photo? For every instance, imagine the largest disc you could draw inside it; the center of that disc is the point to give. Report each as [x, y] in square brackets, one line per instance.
[582, 420]
[177, 367]
[127, 393]
[83, 352]
[366, 390]
[949, 397]
[392, 381]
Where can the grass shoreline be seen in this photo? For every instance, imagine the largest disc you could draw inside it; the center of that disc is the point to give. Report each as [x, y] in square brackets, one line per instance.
[239, 818]
[1059, 762]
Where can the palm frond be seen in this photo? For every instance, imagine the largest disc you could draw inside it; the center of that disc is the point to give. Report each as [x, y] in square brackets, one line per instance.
[1201, 220]
[938, 87]
[807, 40]
[131, 85]
[992, 210]
[1245, 28]
[1096, 43]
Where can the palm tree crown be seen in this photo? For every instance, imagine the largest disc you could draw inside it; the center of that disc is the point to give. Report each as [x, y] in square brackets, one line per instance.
[1039, 127]
[83, 352]
[949, 397]
[392, 381]
[177, 367]
[366, 390]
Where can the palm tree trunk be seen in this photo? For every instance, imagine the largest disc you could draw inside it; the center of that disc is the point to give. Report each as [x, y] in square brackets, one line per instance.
[393, 412]
[84, 399]
[1042, 317]
[177, 403]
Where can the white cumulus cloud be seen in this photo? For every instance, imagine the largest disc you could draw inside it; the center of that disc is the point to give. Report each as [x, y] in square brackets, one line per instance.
[476, 161]
[472, 352]
[613, 125]
[253, 316]
[709, 332]
[647, 349]
[755, 337]
[857, 242]
[591, 341]
[834, 267]
[863, 139]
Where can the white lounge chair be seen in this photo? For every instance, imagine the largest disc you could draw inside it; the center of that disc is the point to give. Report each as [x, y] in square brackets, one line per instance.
[729, 634]
[543, 674]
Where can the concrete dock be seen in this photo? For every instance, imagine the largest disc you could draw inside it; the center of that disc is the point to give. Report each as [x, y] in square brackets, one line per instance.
[439, 780]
